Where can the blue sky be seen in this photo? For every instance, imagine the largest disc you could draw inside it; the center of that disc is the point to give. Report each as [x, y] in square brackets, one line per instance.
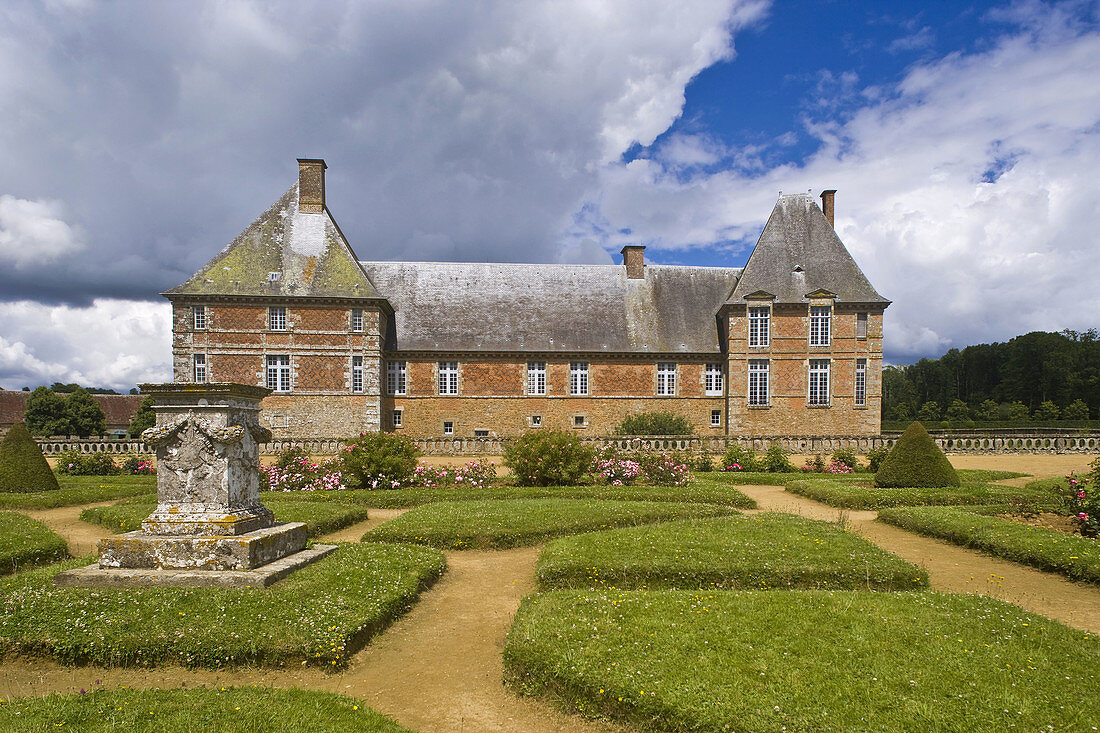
[140, 138]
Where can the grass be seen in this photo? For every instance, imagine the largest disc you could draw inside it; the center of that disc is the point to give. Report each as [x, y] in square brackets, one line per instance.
[320, 517]
[1074, 556]
[851, 495]
[804, 661]
[318, 615]
[228, 710]
[465, 525]
[76, 490]
[25, 543]
[707, 492]
[763, 552]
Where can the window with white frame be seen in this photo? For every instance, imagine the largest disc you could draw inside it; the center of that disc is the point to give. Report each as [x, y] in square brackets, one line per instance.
[861, 325]
[758, 382]
[578, 377]
[820, 316]
[666, 378]
[396, 417]
[716, 418]
[861, 382]
[395, 378]
[448, 427]
[713, 379]
[536, 377]
[200, 368]
[580, 421]
[356, 319]
[448, 377]
[819, 382]
[536, 421]
[356, 374]
[759, 326]
[278, 372]
[276, 318]
[198, 317]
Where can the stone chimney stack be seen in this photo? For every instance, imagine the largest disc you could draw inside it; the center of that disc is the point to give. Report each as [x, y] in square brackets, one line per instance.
[311, 185]
[634, 260]
[827, 205]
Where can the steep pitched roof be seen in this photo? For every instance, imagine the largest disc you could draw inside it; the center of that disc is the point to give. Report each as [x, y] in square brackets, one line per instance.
[552, 308]
[307, 251]
[799, 253]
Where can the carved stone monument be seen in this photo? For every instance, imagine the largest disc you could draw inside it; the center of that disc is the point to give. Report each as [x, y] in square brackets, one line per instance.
[209, 527]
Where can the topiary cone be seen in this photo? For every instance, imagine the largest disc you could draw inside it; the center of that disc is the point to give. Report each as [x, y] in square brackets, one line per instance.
[23, 468]
[916, 460]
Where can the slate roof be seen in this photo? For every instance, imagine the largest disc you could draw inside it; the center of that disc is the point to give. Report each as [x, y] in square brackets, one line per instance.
[552, 308]
[799, 253]
[307, 251]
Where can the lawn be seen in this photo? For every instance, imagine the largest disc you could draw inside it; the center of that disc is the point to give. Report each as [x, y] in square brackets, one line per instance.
[320, 614]
[804, 661]
[1074, 556]
[321, 517]
[232, 710]
[25, 543]
[467, 525]
[764, 551]
[849, 495]
[77, 490]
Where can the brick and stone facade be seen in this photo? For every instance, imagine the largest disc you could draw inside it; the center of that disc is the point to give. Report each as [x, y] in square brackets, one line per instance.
[483, 349]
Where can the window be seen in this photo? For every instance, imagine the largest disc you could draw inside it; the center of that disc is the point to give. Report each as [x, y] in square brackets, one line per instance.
[356, 374]
[536, 377]
[276, 318]
[198, 317]
[200, 368]
[819, 382]
[536, 421]
[448, 377]
[713, 378]
[356, 319]
[397, 417]
[715, 419]
[395, 378]
[759, 326]
[578, 377]
[861, 325]
[758, 382]
[579, 421]
[819, 324]
[448, 427]
[278, 372]
[666, 378]
[481, 433]
[861, 382]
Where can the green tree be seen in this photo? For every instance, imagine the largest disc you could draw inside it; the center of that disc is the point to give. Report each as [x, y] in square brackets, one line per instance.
[143, 419]
[929, 412]
[654, 423]
[1076, 410]
[85, 416]
[958, 411]
[1047, 410]
[988, 410]
[45, 413]
[1018, 412]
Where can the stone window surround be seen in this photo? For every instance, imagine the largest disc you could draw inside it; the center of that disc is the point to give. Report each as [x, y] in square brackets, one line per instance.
[276, 318]
[397, 377]
[448, 374]
[759, 320]
[199, 371]
[819, 389]
[759, 383]
[276, 370]
[357, 374]
[357, 320]
[580, 421]
[199, 320]
[666, 378]
[821, 317]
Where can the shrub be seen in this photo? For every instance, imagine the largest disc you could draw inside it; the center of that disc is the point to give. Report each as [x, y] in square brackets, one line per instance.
[654, 423]
[74, 463]
[664, 470]
[143, 419]
[847, 457]
[618, 471]
[1085, 505]
[818, 464]
[23, 468]
[478, 474]
[1076, 410]
[378, 460]
[704, 462]
[916, 461]
[776, 459]
[744, 459]
[137, 466]
[304, 475]
[875, 457]
[549, 458]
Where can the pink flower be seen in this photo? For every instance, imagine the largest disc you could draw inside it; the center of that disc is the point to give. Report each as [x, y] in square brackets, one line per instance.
[1084, 516]
[1080, 494]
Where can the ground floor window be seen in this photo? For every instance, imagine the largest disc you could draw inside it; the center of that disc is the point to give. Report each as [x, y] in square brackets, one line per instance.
[716, 418]
[397, 416]
[819, 382]
[448, 427]
[758, 382]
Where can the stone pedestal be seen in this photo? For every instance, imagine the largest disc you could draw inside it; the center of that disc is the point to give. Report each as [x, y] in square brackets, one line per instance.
[208, 517]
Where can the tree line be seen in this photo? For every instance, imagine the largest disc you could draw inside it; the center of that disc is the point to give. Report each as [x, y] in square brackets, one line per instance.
[72, 410]
[1037, 376]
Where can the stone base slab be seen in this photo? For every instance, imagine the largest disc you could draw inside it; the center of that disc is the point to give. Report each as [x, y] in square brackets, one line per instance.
[93, 576]
[140, 551]
[173, 518]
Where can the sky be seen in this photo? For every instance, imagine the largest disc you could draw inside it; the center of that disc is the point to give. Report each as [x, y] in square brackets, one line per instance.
[140, 138]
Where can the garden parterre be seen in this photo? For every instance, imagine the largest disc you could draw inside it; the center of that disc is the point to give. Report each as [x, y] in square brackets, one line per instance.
[25, 543]
[77, 490]
[857, 495]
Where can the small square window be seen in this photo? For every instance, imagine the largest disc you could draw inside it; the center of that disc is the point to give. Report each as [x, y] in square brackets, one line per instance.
[397, 418]
[579, 421]
[536, 421]
[273, 277]
[716, 418]
[276, 318]
[357, 319]
[481, 433]
[448, 427]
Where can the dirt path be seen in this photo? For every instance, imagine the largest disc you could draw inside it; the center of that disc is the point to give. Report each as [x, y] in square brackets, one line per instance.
[353, 533]
[82, 537]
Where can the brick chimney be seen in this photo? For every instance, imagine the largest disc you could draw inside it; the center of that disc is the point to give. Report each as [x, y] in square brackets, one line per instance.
[311, 185]
[827, 205]
[634, 259]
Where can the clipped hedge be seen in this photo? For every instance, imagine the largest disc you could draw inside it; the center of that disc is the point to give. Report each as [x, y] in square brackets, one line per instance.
[23, 468]
[916, 461]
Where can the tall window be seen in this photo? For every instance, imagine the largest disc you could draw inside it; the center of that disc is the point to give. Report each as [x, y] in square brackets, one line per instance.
[861, 382]
[536, 377]
[758, 382]
[397, 417]
[200, 368]
[716, 418]
[713, 378]
[820, 316]
[448, 377]
[861, 325]
[198, 317]
[276, 318]
[395, 377]
[666, 378]
[819, 381]
[356, 319]
[278, 372]
[356, 374]
[578, 377]
[759, 326]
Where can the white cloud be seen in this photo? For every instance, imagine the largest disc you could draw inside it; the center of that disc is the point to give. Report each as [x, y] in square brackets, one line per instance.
[33, 233]
[111, 343]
